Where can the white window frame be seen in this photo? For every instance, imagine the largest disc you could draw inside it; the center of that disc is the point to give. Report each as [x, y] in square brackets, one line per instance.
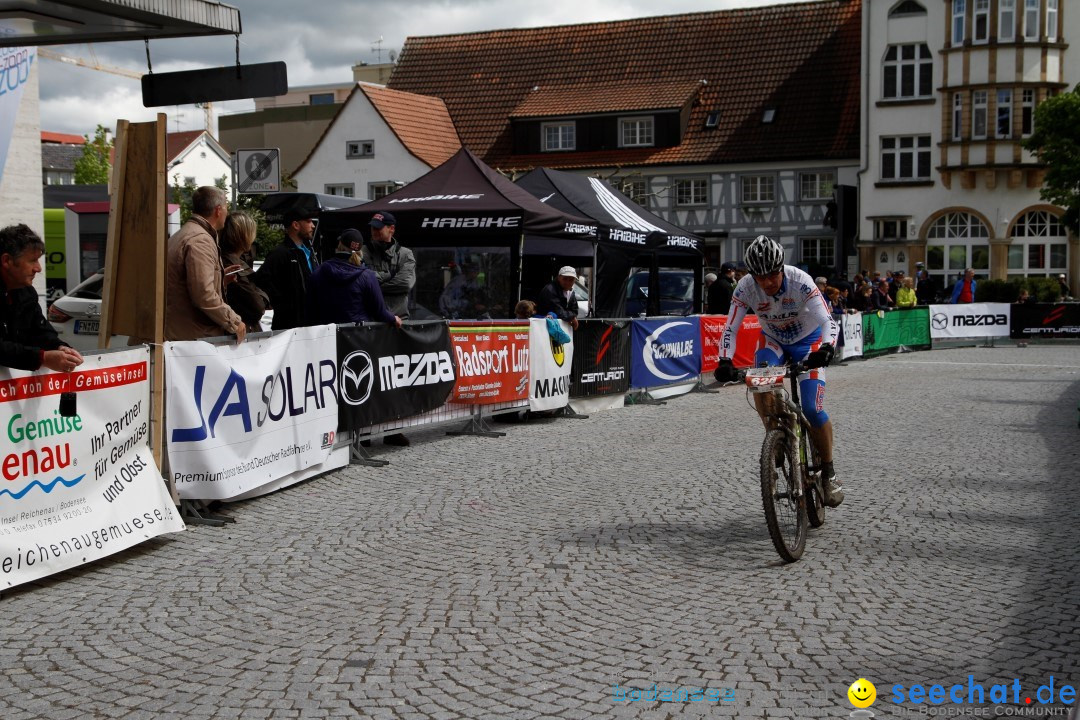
[640, 129]
[897, 66]
[822, 246]
[346, 189]
[980, 22]
[1031, 19]
[979, 111]
[1051, 20]
[958, 116]
[816, 185]
[565, 136]
[377, 190]
[958, 20]
[916, 148]
[1027, 112]
[697, 193]
[355, 149]
[757, 189]
[1003, 113]
[635, 189]
[1007, 20]
[1037, 228]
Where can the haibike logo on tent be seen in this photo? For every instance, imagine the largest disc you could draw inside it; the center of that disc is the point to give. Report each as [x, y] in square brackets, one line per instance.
[357, 378]
[654, 351]
[940, 321]
[627, 236]
[398, 371]
[970, 320]
[471, 222]
[438, 197]
[578, 229]
[681, 241]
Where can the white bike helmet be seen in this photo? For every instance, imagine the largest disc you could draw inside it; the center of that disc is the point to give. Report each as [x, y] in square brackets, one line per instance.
[764, 256]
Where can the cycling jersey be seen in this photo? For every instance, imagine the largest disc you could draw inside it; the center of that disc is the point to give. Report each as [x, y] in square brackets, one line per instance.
[794, 313]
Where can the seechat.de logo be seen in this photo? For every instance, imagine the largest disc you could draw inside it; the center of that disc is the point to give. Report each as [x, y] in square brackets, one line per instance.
[357, 377]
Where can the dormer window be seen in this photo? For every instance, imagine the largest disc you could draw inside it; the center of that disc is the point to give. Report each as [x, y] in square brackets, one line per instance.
[636, 132]
[360, 149]
[558, 136]
[768, 115]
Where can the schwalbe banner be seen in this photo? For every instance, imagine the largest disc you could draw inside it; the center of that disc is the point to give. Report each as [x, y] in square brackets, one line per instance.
[664, 351]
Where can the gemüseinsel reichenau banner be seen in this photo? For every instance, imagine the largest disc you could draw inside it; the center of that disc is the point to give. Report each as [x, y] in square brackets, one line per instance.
[549, 366]
[601, 358]
[492, 361]
[885, 332]
[243, 420]
[76, 489]
[391, 373]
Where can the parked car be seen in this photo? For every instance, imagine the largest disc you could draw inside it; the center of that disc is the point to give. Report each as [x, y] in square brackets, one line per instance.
[582, 296]
[676, 292]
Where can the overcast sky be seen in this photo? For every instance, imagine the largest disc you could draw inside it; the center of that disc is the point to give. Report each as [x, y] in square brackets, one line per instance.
[320, 41]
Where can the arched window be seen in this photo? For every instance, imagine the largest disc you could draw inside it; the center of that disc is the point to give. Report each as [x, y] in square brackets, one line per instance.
[957, 240]
[1039, 247]
[907, 7]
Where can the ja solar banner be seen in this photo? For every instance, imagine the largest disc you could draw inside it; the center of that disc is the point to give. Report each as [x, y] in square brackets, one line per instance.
[664, 352]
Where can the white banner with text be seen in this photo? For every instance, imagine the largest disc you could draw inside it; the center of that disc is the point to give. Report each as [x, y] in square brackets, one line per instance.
[969, 320]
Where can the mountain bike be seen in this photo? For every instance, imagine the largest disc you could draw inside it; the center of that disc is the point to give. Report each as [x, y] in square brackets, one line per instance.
[791, 483]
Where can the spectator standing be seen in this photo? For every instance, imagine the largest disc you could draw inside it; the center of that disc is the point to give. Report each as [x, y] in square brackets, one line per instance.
[341, 290]
[195, 280]
[860, 301]
[720, 291]
[1063, 288]
[964, 289]
[27, 340]
[879, 299]
[1024, 298]
[925, 287]
[285, 273]
[525, 309]
[247, 299]
[394, 264]
[558, 297]
[905, 296]
[463, 297]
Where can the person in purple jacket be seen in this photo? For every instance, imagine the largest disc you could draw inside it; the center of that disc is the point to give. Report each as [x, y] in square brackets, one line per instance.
[342, 291]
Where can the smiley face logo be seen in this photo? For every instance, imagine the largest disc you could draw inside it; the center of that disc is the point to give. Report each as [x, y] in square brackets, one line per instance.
[862, 693]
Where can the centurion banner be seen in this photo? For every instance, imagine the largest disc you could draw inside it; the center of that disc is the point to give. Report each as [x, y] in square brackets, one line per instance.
[746, 341]
[969, 320]
[390, 373]
[76, 489]
[247, 419]
[492, 362]
[550, 363]
[601, 358]
[1045, 320]
[664, 352]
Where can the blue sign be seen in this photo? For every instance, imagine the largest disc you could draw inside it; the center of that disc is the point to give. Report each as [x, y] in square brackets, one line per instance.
[664, 351]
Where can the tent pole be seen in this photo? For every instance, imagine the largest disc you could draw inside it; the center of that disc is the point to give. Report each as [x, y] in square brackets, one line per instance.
[521, 267]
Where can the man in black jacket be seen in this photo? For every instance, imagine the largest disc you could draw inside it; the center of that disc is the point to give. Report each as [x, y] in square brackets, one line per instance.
[558, 297]
[285, 273]
[27, 340]
[719, 299]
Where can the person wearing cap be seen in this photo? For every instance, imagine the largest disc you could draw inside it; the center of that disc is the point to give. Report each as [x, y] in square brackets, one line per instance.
[1063, 288]
[286, 271]
[558, 297]
[195, 280]
[243, 296]
[393, 263]
[719, 297]
[342, 290]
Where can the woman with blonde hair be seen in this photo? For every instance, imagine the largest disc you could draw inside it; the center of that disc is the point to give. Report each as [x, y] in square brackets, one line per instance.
[243, 296]
[905, 296]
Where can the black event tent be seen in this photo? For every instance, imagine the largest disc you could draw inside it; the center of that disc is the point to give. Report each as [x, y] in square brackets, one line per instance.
[465, 205]
[628, 236]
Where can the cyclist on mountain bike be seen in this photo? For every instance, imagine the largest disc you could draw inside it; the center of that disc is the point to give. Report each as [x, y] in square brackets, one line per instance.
[796, 325]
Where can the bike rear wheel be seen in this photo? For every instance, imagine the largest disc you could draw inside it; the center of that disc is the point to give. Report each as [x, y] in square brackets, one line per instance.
[815, 489]
[785, 505]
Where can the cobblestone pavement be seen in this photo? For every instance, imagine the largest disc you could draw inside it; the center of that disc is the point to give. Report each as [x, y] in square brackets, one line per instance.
[551, 572]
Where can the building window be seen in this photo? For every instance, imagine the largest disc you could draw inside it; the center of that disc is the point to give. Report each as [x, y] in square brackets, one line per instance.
[1004, 114]
[691, 191]
[1007, 20]
[758, 189]
[958, 9]
[1031, 19]
[636, 132]
[360, 149]
[890, 229]
[905, 158]
[816, 185]
[1051, 20]
[341, 189]
[961, 242]
[978, 114]
[820, 250]
[909, 72]
[634, 189]
[381, 189]
[558, 136]
[980, 26]
[1039, 245]
[321, 98]
[1027, 113]
[957, 115]
[189, 179]
[908, 7]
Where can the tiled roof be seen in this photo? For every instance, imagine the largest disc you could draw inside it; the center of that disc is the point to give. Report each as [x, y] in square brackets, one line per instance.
[177, 142]
[60, 157]
[62, 138]
[420, 122]
[599, 98]
[803, 59]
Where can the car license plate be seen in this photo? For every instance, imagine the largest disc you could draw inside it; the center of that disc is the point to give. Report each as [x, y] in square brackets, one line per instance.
[87, 327]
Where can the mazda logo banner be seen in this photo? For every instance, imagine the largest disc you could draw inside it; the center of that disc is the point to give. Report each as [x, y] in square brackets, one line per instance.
[969, 320]
[386, 373]
[1045, 320]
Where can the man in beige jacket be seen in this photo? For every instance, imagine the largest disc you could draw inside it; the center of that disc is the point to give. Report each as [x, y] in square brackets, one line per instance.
[195, 304]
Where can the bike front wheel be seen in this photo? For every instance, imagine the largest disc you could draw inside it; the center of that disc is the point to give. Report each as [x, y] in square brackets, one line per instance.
[781, 495]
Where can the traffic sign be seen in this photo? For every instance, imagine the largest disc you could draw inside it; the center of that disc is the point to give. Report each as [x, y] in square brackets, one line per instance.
[258, 171]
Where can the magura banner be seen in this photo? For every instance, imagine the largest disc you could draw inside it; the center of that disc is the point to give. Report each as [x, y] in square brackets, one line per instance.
[79, 488]
[550, 362]
[746, 341]
[492, 361]
[262, 414]
[969, 320]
